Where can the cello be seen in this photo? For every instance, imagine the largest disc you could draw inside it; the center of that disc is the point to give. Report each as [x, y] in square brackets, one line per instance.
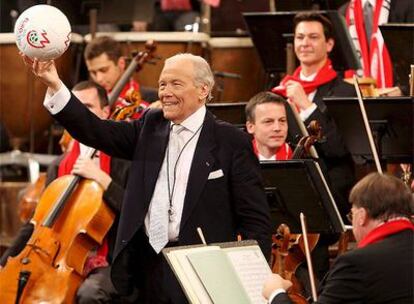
[69, 221]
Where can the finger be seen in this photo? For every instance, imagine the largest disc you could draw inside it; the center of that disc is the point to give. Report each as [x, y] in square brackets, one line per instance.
[290, 82]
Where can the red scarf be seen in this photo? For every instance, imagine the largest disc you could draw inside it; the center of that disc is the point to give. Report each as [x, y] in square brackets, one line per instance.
[183, 5]
[283, 153]
[65, 167]
[372, 52]
[381, 232]
[175, 5]
[324, 75]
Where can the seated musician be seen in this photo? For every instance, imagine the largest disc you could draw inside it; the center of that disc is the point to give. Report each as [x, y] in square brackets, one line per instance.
[106, 65]
[266, 120]
[313, 80]
[111, 174]
[380, 270]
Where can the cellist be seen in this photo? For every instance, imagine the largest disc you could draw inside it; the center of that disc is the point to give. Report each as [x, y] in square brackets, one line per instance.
[111, 173]
[380, 270]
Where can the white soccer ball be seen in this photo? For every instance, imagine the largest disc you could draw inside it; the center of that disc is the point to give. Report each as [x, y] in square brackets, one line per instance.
[43, 32]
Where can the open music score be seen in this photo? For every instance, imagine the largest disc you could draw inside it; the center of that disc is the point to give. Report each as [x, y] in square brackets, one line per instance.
[231, 272]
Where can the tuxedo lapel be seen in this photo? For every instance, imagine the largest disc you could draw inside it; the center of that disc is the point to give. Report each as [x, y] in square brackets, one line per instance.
[323, 91]
[201, 167]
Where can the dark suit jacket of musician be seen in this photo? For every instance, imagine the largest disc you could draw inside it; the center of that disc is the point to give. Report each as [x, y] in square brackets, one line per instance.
[333, 153]
[378, 273]
[222, 207]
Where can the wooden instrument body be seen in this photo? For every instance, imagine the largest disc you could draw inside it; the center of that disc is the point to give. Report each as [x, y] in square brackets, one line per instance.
[55, 255]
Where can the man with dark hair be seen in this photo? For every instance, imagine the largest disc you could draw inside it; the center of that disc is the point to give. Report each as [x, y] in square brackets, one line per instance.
[111, 174]
[314, 79]
[106, 65]
[266, 120]
[380, 270]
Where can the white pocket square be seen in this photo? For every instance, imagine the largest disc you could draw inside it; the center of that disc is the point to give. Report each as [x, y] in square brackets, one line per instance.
[216, 174]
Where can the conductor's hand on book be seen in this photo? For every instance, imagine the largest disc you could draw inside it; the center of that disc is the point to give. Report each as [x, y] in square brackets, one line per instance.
[273, 283]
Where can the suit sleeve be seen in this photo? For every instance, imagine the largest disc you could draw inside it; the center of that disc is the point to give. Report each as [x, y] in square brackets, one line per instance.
[332, 144]
[343, 284]
[281, 298]
[250, 201]
[114, 138]
[114, 195]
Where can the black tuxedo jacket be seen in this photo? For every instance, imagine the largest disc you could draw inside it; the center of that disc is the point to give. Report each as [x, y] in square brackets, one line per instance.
[223, 207]
[378, 273]
[333, 153]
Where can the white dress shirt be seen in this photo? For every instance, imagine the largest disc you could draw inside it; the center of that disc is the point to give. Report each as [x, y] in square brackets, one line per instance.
[304, 114]
[192, 131]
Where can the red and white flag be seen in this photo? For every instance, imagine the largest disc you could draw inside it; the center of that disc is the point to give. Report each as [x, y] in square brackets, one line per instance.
[372, 51]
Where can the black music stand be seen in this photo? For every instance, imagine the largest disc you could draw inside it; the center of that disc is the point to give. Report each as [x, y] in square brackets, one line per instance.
[227, 19]
[271, 32]
[391, 121]
[232, 112]
[289, 5]
[400, 41]
[296, 186]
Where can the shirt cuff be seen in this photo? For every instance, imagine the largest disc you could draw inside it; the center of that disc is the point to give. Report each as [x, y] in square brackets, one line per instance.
[55, 103]
[306, 113]
[275, 293]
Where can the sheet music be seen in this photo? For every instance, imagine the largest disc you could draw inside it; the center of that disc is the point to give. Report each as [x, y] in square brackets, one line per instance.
[197, 291]
[252, 269]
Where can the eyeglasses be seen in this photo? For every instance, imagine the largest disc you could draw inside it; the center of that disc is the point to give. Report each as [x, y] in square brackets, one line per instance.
[350, 216]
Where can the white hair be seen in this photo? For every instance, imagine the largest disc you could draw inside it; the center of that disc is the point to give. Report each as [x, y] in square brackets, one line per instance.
[202, 71]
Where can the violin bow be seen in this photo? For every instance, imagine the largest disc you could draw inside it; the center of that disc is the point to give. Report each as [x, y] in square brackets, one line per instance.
[367, 127]
[308, 257]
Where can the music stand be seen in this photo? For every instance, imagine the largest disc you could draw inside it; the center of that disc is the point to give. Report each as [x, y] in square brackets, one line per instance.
[271, 32]
[289, 5]
[296, 186]
[400, 41]
[232, 112]
[227, 19]
[391, 121]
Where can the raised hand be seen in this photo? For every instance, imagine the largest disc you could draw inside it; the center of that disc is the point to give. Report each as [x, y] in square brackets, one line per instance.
[297, 95]
[45, 71]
